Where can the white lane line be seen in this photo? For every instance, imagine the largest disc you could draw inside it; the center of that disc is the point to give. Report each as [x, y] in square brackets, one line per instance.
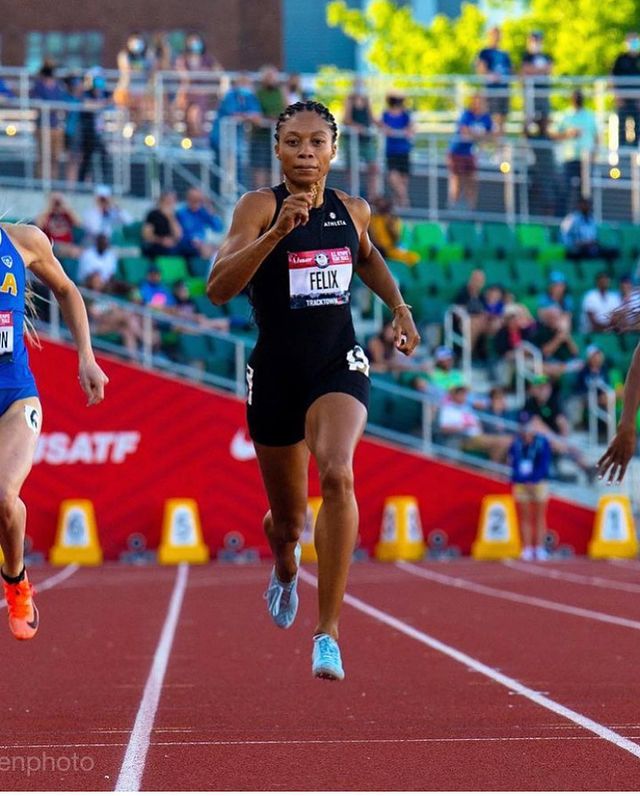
[587, 580]
[625, 563]
[53, 580]
[135, 757]
[606, 733]
[514, 597]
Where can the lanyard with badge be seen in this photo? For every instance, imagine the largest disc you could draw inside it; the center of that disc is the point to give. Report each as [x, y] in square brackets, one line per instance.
[525, 465]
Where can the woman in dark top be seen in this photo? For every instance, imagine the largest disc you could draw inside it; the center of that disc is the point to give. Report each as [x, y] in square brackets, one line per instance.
[358, 116]
[161, 232]
[296, 246]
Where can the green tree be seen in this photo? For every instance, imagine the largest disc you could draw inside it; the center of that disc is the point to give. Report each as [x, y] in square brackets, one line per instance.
[583, 36]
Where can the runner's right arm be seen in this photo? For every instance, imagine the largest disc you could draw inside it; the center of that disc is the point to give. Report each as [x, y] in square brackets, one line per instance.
[248, 244]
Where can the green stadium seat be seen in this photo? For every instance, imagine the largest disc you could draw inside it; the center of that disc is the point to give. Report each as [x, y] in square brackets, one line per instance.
[608, 235]
[404, 414]
[430, 309]
[497, 272]
[630, 240]
[460, 273]
[406, 235]
[172, 268]
[196, 286]
[199, 267]
[498, 240]
[205, 307]
[402, 273]
[221, 360]
[430, 277]
[378, 405]
[133, 269]
[132, 233]
[240, 308]
[532, 237]
[429, 240]
[589, 269]
[193, 347]
[466, 234]
[530, 276]
[609, 344]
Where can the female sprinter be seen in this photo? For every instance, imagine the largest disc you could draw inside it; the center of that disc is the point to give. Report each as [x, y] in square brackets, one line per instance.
[296, 246]
[23, 247]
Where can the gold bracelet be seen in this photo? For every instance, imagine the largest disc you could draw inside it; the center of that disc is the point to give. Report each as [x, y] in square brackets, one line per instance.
[400, 306]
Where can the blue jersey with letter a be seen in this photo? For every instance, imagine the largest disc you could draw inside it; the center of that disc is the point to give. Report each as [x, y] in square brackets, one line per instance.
[14, 358]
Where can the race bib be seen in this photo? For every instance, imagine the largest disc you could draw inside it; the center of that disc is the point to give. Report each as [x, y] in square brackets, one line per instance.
[319, 278]
[6, 333]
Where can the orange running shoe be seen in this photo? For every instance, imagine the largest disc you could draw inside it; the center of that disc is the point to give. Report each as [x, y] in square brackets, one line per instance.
[23, 614]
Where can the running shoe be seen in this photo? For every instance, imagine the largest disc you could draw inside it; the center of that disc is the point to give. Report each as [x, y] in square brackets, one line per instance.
[542, 554]
[23, 614]
[326, 662]
[282, 598]
[527, 554]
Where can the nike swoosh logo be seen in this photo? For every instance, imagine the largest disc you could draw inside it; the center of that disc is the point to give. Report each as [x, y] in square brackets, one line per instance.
[34, 624]
[242, 449]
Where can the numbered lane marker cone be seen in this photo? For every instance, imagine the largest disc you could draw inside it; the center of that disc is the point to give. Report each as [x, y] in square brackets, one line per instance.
[498, 535]
[182, 534]
[401, 535]
[77, 535]
[614, 533]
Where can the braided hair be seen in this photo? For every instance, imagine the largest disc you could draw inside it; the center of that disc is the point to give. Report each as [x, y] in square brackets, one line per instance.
[314, 107]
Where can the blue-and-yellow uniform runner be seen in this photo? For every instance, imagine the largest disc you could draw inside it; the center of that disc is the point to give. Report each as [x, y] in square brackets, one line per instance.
[16, 379]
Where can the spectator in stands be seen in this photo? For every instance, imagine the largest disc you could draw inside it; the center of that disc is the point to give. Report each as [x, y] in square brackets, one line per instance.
[444, 374]
[518, 327]
[579, 232]
[99, 258]
[72, 132]
[240, 104]
[598, 304]
[104, 216]
[626, 286]
[578, 130]
[473, 127]
[530, 458]
[294, 90]
[560, 352]
[399, 131]
[106, 316]
[544, 407]
[460, 426]
[185, 307]
[556, 295]
[6, 92]
[154, 293]
[135, 65]
[58, 222]
[161, 231]
[594, 370]
[50, 120]
[191, 99]
[200, 226]
[384, 229]
[535, 71]
[92, 123]
[627, 68]
[497, 416]
[272, 102]
[482, 322]
[359, 121]
[495, 66]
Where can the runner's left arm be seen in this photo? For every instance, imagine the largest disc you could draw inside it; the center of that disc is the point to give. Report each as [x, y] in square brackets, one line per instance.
[41, 260]
[373, 271]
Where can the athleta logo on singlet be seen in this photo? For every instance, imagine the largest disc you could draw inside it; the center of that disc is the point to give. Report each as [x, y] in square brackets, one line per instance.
[320, 277]
[333, 222]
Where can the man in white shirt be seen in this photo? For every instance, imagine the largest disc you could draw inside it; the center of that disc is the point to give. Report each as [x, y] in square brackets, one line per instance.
[598, 304]
[578, 131]
[99, 258]
[104, 216]
[459, 423]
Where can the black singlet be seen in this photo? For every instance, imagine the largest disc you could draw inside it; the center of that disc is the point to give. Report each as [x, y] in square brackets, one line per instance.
[301, 292]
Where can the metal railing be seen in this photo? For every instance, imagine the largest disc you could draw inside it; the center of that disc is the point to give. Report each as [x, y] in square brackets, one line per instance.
[601, 407]
[528, 366]
[461, 337]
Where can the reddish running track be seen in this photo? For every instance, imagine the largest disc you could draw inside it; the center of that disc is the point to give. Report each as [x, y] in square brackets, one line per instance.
[237, 708]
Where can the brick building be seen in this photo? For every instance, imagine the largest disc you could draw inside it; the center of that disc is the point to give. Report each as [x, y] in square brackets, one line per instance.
[240, 33]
